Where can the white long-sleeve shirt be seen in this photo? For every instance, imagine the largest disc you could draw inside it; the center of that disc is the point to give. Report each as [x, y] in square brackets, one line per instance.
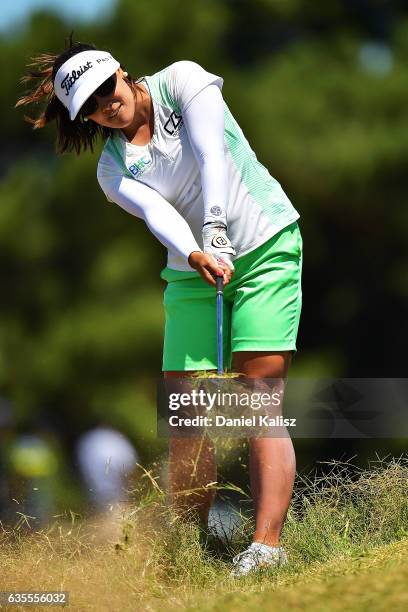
[197, 167]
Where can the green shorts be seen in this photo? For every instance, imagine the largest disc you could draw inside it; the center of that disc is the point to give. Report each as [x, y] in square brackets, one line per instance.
[262, 305]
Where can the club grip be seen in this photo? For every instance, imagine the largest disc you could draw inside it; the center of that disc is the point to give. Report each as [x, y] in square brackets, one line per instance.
[219, 281]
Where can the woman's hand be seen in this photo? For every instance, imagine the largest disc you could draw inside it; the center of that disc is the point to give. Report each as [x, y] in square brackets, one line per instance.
[217, 243]
[209, 267]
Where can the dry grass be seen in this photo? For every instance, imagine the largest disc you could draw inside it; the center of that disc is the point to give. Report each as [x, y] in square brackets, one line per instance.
[346, 538]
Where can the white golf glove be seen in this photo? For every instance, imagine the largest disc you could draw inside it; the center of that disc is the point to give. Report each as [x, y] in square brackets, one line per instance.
[217, 243]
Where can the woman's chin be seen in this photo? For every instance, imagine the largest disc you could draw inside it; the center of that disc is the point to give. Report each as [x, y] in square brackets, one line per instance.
[125, 116]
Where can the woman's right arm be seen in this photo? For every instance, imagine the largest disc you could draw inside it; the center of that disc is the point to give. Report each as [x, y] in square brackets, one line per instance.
[160, 216]
[163, 220]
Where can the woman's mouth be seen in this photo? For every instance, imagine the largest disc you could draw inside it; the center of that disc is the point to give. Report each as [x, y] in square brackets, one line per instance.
[113, 115]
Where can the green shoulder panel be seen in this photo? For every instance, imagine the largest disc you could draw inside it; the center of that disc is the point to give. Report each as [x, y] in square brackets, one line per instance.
[159, 89]
[260, 184]
[113, 148]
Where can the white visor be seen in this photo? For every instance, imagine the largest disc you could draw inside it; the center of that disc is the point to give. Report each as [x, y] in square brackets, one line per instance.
[80, 75]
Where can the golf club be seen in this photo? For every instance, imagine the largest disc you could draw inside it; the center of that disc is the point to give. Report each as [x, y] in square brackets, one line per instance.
[220, 289]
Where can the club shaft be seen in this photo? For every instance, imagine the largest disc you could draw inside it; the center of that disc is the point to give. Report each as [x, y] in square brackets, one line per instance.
[220, 364]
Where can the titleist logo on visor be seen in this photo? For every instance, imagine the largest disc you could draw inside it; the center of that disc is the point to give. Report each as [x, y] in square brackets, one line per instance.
[69, 80]
[80, 76]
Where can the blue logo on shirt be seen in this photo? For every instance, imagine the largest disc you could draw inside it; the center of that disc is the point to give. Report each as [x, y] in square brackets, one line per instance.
[139, 166]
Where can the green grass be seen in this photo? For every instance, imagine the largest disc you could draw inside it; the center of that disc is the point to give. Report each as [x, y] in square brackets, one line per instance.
[373, 580]
[346, 538]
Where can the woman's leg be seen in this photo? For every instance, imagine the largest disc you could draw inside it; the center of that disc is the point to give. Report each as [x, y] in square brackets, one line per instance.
[272, 460]
[192, 467]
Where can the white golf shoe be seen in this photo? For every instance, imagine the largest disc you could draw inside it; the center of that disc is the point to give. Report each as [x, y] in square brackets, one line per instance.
[258, 556]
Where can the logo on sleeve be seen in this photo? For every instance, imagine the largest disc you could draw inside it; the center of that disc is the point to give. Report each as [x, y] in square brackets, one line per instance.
[172, 125]
[140, 165]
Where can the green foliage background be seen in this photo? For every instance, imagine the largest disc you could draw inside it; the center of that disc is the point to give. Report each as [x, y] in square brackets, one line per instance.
[81, 309]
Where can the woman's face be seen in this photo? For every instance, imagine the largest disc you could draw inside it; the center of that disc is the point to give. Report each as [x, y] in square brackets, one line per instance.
[116, 110]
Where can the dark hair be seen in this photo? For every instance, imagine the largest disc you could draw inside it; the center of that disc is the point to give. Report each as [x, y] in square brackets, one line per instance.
[77, 135]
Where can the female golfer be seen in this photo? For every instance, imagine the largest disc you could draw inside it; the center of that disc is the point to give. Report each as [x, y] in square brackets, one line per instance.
[175, 156]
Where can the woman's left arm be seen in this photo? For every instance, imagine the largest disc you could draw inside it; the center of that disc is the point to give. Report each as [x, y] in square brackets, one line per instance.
[204, 121]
